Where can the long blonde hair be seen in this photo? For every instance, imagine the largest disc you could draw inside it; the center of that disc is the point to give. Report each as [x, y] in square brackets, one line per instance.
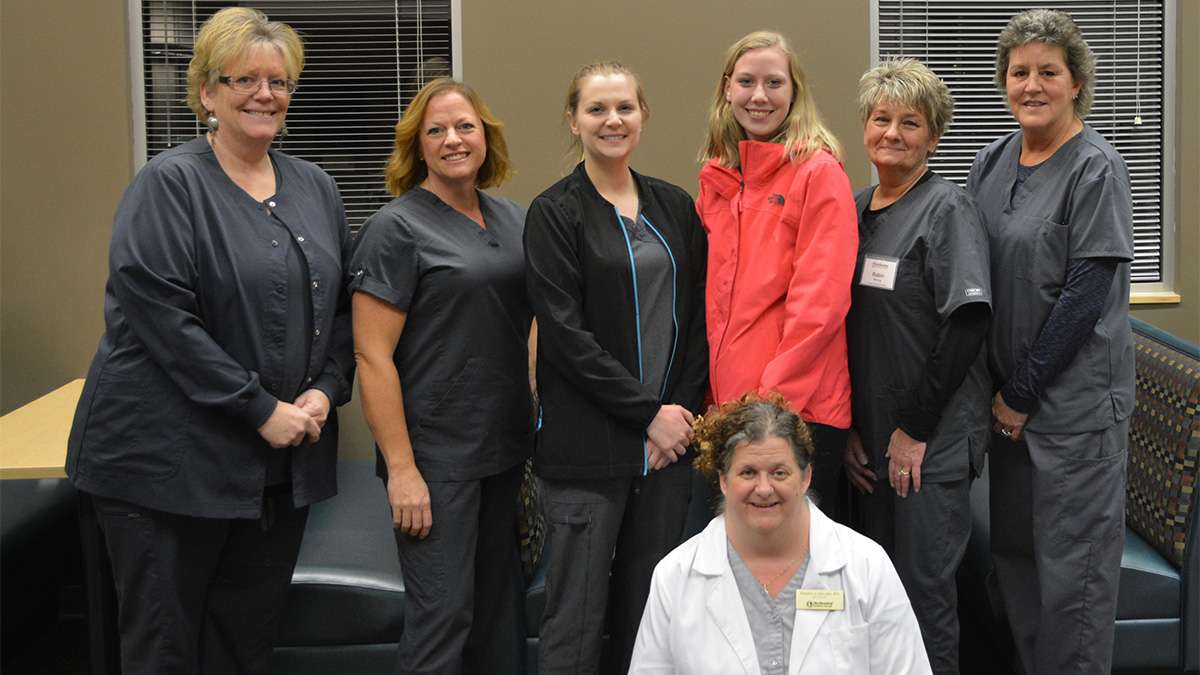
[801, 134]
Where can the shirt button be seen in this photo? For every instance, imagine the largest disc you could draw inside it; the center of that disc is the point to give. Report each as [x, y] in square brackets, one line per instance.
[271, 204]
[316, 284]
[300, 238]
[317, 332]
[308, 380]
[274, 242]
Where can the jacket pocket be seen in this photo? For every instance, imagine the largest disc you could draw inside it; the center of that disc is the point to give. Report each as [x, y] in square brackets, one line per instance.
[1045, 261]
[135, 426]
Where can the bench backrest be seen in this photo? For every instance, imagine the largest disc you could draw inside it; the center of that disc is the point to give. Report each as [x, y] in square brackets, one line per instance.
[1164, 443]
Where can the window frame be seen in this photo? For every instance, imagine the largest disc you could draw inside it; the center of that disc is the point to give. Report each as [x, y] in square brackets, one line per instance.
[1141, 292]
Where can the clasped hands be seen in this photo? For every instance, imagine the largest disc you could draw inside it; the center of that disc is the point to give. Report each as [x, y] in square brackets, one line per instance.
[668, 436]
[291, 423]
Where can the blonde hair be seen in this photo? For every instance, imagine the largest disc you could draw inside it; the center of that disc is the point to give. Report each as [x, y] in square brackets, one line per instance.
[227, 37]
[910, 83]
[749, 419]
[802, 133]
[575, 89]
[405, 170]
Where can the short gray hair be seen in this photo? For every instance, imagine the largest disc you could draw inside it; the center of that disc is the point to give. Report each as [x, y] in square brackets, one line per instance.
[1053, 28]
[911, 83]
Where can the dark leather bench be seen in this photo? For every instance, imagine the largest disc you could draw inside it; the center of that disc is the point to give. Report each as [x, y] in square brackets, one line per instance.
[39, 544]
[1158, 606]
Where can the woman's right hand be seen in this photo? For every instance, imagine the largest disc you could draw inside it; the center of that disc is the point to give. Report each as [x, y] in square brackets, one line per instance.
[856, 461]
[408, 496]
[288, 426]
[671, 428]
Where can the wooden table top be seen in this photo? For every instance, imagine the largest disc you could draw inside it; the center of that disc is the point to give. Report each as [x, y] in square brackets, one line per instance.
[33, 438]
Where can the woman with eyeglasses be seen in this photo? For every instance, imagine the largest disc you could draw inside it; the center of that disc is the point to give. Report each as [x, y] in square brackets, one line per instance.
[206, 427]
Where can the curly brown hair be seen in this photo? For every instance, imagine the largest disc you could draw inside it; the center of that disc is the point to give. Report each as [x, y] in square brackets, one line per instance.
[749, 419]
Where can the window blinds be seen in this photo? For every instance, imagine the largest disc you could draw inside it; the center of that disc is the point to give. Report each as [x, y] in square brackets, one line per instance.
[957, 40]
[364, 60]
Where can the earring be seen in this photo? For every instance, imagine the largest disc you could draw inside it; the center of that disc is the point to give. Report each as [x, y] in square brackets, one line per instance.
[212, 122]
[283, 132]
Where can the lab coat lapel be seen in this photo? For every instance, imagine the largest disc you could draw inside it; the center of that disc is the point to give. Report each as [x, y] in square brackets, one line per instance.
[824, 573]
[724, 603]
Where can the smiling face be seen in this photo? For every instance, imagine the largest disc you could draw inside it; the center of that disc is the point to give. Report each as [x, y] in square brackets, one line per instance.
[256, 117]
[608, 119]
[453, 144]
[897, 138]
[764, 488]
[1040, 88]
[759, 91]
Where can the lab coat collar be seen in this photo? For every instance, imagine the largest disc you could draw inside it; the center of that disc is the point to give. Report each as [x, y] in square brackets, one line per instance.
[826, 560]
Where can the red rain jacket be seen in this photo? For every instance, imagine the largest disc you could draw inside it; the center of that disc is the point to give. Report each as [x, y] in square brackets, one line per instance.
[782, 241]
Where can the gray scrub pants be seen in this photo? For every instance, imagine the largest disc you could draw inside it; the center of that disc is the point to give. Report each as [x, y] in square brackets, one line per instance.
[926, 536]
[1058, 526]
[463, 595]
[596, 528]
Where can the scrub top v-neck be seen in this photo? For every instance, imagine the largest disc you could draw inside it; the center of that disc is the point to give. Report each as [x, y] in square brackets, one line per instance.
[462, 357]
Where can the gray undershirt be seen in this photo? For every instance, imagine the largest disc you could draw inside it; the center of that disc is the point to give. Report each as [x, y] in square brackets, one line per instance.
[654, 281]
[771, 619]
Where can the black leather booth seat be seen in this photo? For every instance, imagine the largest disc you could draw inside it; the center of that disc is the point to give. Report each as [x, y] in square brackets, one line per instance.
[39, 544]
[345, 609]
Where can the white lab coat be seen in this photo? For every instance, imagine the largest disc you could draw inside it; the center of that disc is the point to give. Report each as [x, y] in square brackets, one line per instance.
[695, 623]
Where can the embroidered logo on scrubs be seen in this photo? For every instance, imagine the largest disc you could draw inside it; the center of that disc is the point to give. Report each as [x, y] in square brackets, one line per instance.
[776, 199]
[974, 292]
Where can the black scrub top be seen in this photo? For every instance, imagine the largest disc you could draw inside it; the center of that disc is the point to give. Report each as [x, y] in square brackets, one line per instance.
[1076, 205]
[920, 259]
[463, 355]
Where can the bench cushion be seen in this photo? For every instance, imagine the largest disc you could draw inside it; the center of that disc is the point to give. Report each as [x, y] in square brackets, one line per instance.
[347, 588]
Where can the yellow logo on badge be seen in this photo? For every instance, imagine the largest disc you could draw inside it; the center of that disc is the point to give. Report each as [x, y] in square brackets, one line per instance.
[821, 601]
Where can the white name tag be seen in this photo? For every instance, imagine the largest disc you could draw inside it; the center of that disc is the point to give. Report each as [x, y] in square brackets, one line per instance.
[879, 272]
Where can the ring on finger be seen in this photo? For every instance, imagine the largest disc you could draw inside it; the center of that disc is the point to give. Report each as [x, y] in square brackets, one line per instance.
[903, 472]
[1007, 433]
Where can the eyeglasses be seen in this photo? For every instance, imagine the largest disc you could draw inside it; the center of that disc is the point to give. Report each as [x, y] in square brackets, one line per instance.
[246, 84]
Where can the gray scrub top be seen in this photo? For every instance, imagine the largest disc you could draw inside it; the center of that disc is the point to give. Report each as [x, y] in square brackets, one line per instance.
[463, 356]
[935, 239]
[655, 288]
[1076, 205]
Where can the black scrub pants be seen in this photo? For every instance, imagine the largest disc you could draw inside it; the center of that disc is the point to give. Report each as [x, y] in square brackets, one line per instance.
[463, 589]
[596, 528]
[200, 595]
[828, 482]
[926, 535]
[1058, 529]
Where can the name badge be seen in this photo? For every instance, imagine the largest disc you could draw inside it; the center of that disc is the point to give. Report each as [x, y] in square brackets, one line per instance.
[879, 272]
[821, 601]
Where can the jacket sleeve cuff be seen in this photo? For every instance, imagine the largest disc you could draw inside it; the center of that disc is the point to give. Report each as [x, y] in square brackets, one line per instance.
[258, 410]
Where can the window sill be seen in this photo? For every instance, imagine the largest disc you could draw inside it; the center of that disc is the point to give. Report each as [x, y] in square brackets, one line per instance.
[1154, 298]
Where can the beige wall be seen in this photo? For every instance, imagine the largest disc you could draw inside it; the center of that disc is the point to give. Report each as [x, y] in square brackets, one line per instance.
[64, 161]
[521, 56]
[65, 136]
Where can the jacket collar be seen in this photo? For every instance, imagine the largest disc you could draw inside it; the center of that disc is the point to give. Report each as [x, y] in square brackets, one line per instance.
[645, 195]
[759, 161]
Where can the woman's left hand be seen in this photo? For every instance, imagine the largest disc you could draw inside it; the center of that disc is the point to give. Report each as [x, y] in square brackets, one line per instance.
[1007, 421]
[316, 404]
[905, 455]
